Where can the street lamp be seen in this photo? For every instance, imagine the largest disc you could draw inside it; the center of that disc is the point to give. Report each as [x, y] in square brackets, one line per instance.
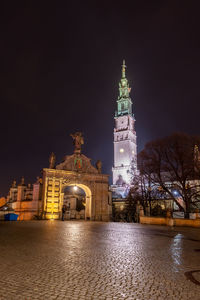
[175, 193]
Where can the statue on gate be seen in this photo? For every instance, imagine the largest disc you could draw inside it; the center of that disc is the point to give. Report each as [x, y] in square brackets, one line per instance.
[78, 141]
[52, 161]
[99, 166]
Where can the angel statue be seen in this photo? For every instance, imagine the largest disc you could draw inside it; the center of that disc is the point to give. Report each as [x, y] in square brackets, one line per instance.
[78, 141]
[52, 161]
[99, 166]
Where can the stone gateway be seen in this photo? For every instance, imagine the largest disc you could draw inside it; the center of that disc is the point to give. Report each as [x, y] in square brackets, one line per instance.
[76, 171]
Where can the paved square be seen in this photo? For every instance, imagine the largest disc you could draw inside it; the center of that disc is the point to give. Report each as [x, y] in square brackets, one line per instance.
[90, 260]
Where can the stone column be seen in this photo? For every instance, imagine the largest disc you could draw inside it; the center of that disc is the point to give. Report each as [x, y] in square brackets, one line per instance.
[20, 197]
[37, 197]
[20, 192]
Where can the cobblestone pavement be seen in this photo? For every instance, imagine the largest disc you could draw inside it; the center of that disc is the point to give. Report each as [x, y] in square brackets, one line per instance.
[93, 260]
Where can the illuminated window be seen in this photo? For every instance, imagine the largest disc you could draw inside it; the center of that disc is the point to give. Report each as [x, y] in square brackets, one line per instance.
[121, 150]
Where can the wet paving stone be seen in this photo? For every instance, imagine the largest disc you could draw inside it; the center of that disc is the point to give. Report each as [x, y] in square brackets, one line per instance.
[94, 260]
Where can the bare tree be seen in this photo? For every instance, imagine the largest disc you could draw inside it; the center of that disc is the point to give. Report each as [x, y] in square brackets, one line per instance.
[131, 204]
[144, 192]
[172, 165]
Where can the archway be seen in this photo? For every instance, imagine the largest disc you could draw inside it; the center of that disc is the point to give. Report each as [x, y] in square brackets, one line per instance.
[77, 199]
[94, 185]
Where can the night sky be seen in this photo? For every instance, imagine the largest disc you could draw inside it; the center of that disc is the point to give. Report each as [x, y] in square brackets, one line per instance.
[60, 68]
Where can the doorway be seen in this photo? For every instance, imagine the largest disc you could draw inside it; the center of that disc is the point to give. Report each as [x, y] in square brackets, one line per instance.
[74, 200]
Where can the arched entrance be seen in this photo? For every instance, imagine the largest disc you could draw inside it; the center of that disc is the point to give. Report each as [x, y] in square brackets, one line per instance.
[76, 170]
[77, 199]
[95, 187]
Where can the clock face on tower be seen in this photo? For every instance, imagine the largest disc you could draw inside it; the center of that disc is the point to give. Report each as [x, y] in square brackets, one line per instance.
[123, 122]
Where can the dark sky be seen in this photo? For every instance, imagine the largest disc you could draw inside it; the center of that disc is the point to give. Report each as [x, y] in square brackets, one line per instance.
[60, 68]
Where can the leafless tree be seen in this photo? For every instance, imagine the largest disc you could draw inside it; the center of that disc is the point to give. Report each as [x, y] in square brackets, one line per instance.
[172, 166]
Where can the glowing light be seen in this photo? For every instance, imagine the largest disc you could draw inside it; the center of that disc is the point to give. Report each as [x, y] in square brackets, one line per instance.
[133, 152]
[51, 217]
[121, 150]
[75, 188]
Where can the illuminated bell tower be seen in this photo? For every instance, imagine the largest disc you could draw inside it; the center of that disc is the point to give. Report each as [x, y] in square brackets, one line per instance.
[125, 149]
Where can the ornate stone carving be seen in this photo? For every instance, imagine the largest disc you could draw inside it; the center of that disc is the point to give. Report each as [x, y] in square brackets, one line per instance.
[77, 162]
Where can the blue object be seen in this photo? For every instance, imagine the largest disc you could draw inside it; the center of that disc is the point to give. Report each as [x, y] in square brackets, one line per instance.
[10, 217]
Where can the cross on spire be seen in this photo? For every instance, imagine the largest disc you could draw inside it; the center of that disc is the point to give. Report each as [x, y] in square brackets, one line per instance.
[123, 69]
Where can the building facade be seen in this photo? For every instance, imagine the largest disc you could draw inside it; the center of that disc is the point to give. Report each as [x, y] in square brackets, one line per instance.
[26, 200]
[125, 146]
[76, 172]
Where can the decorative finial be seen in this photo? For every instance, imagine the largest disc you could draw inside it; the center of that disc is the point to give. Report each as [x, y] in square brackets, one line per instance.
[22, 181]
[123, 69]
[14, 183]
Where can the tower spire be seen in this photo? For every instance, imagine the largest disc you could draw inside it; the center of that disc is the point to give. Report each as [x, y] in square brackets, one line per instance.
[123, 69]
[124, 100]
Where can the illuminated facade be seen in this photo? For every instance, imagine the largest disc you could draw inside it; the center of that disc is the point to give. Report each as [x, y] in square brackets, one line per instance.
[125, 148]
[76, 171]
[25, 200]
